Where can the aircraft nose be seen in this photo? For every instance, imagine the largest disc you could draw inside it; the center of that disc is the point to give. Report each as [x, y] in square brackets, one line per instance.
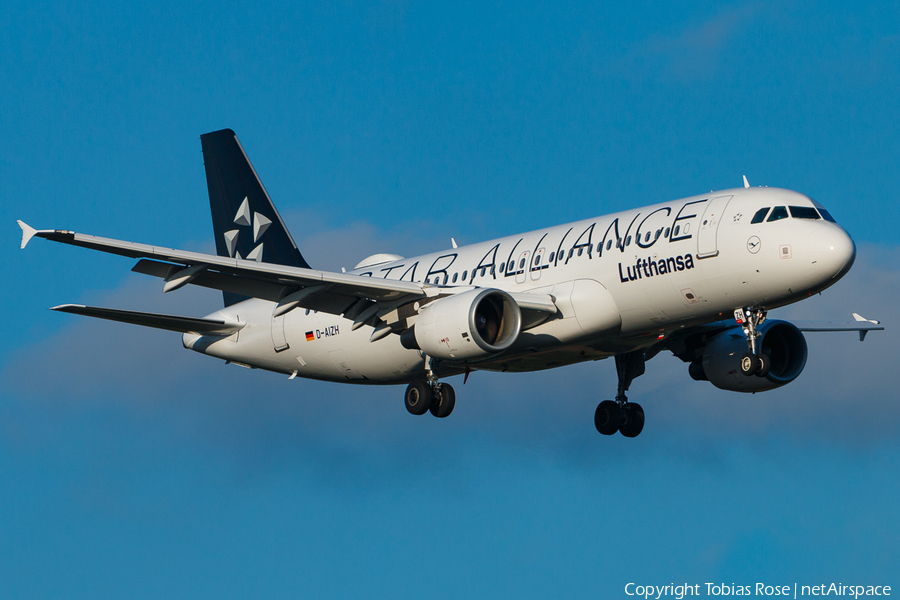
[833, 251]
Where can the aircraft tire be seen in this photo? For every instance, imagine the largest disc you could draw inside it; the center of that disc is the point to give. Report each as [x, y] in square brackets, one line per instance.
[632, 420]
[418, 397]
[444, 401]
[607, 417]
[749, 364]
[765, 363]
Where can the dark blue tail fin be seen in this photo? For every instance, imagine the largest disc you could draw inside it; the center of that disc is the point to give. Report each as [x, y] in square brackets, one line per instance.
[245, 221]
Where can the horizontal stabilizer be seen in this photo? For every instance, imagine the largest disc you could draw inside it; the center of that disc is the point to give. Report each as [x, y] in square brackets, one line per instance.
[169, 322]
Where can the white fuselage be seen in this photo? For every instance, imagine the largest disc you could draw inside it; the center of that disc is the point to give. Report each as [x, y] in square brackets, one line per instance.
[621, 282]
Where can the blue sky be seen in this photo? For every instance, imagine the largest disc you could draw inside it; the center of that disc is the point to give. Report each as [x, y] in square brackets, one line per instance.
[132, 468]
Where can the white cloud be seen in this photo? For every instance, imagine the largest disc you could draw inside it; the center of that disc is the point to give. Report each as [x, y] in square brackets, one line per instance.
[693, 53]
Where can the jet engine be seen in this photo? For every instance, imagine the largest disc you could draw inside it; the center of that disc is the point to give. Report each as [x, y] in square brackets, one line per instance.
[720, 364]
[470, 325]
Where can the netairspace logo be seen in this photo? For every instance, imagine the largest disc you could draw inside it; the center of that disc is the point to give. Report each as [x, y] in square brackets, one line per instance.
[679, 592]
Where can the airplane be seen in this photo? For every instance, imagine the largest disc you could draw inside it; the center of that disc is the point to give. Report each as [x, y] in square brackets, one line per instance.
[694, 276]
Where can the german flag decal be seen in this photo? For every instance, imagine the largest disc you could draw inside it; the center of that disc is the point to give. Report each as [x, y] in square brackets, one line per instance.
[309, 336]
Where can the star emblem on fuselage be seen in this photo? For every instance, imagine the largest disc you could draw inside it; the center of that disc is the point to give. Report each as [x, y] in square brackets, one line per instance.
[258, 223]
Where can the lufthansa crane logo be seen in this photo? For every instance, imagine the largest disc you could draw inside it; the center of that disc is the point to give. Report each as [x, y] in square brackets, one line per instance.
[753, 245]
[258, 223]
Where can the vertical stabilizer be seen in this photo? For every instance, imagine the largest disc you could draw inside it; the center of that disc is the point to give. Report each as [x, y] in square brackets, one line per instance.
[245, 221]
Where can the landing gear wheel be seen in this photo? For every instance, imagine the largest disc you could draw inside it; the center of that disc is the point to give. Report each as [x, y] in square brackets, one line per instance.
[607, 417]
[418, 397]
[632, 420]
[765, 363]
[444, 400]
[749, 364]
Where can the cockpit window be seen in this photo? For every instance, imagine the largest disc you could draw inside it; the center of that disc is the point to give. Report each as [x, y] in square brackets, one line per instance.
[804, 212]
[779, 212]
[827, 215]
[760, 216]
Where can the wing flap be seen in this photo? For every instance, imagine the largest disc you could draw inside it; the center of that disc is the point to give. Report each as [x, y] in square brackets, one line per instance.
[145, 319]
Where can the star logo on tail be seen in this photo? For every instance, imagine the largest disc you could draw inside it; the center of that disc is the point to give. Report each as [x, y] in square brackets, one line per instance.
[258, 223]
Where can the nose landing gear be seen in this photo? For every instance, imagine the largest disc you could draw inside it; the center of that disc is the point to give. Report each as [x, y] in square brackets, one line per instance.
[754, 362]
[621, 415]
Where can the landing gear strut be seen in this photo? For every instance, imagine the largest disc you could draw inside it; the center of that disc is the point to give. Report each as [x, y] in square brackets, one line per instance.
[431, 394]
[754, 362]
[621, 415]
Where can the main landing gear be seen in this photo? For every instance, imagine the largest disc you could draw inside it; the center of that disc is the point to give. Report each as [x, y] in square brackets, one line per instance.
[431, 394]
[621, 415]
[755, 361]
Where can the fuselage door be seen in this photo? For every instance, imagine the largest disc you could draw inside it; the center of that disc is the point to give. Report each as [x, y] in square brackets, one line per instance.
[537, 264]
[709, 225]
[279, 341]
[522, 266]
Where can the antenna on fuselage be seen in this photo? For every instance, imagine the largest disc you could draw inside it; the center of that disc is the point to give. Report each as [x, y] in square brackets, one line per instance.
[746, 183]
[452, 241]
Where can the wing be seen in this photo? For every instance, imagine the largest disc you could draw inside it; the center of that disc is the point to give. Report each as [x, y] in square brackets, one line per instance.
[366, 300]
[325, 291]
[859, 324]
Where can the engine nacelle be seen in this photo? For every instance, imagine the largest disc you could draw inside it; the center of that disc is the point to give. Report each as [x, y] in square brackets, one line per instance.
[780, 340]
[470, 325]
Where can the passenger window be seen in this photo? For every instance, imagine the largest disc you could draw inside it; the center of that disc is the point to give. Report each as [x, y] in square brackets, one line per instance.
[804, 212]
[675, 233]
[647, 237]
[464, 275]
[502, 267]
[522, 264]
[778, 213]
[760, 216]
[666, 234]
[628, 241]
[571, 252]
[454, 277]
[552, 254]
[580, 251]
[483, 271]
[609, 244]
[537, 260]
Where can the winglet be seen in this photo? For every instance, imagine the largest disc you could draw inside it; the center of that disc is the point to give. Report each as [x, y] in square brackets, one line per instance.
[27, 233]
[746, 183]
[859, 317]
